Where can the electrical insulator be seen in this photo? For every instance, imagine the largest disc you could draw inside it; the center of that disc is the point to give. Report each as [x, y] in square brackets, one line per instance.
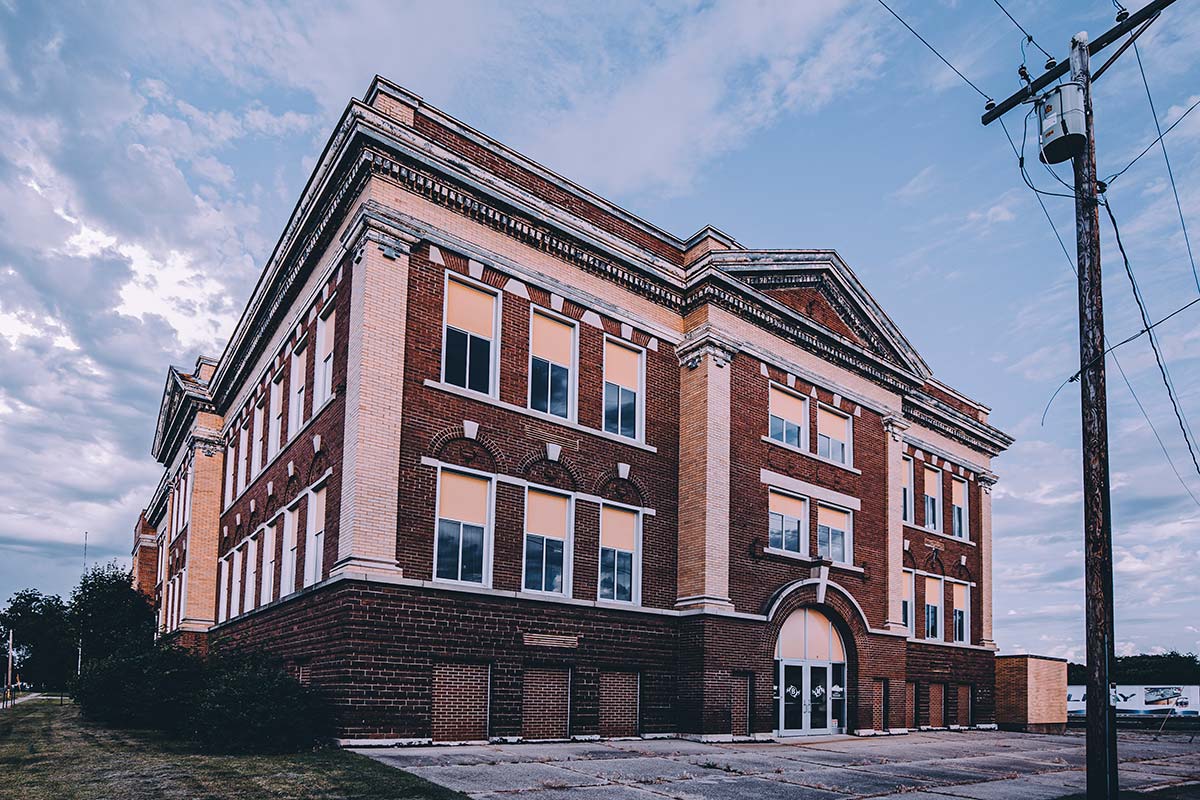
[1061, 123]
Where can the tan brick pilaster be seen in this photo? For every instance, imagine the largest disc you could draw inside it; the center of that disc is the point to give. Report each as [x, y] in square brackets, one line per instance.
[705, 407]
[986, 482]
[199, 605]
[374, 402]
[894, 428]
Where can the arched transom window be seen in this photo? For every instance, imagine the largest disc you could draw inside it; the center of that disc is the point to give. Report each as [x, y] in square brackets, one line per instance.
[808, 635]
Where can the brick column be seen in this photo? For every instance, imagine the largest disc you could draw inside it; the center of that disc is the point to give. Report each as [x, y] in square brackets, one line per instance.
[986, 482]
[704, 405]
[894, 428]
[374, 401]
[199, 609]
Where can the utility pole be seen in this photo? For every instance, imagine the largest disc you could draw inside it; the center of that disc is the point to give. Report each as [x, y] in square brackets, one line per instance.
[1097, 519]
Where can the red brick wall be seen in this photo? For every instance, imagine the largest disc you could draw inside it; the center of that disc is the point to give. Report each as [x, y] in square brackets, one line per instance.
[514, 444]
[618, 704]
[545, 703]
[460, 702]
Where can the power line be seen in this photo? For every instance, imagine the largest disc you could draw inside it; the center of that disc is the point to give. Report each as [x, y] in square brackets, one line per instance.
[933, 50]
[1162, 367]
[1128, 384]
[1115, 175]
[1021, 28]
[1170, 172]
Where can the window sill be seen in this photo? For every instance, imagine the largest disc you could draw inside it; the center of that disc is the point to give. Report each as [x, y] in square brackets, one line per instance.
[451, 582]
[450, 388]
[813, 456]
[839, 565]
[942, 535]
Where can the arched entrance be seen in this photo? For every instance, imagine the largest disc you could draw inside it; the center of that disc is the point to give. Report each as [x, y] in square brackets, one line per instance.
[810, 676]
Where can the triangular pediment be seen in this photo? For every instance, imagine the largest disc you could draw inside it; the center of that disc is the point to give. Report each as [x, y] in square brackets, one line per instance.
[819, 287]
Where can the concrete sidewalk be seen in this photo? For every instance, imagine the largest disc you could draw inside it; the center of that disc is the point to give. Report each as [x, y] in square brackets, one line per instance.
[982, 765]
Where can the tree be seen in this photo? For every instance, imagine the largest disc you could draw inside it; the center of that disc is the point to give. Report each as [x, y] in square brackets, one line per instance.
[108, 615]
[44, 650]
[1167, 668]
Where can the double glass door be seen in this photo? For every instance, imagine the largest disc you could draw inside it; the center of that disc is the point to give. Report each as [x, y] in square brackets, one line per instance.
[811, 697]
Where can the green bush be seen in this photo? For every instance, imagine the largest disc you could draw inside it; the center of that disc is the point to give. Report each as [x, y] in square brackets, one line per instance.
[227, 702]
[248, 704]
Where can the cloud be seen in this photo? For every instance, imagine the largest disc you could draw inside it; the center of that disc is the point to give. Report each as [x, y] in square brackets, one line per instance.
[918, 185]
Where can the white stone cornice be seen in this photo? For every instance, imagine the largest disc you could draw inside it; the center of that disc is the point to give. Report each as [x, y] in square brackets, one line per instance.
[706, 342]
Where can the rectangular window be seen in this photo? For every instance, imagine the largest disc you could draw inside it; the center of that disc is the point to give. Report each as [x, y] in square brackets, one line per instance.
[547, 517]
[470, 331]
[906, 490]
[622, 382]
[961, 612]
[287, 576]
[267, 592]
[552, 354]
[230, 455]
[323, 375]
[275, 433]
[618, 554]
[222, 591]
[256, 438]
[789, 523]
[789, 418]
[906, 601]
[833, 534]
[933, 607]
[833, 435]
[462, 526]
[251, 596]
[958, 508]
[933, 499]
[296, 397]
[314, 537]
[235, 594]
[243, 455]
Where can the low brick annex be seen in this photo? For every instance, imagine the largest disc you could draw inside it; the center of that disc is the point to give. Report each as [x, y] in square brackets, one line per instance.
[488, 457]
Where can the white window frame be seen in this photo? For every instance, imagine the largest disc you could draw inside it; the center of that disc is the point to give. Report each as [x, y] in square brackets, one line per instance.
[805, 527]
[230, 461]
[849, 532]
[908, 507]
[243, 455]
[573, 379]
[267, 579]
[250, 585]
[938, 635]
[849, 462]
[275, 412]
[287, 573]
[488, 528]
[910, 577]
[966, 616]
[803, 425]
[314, 538]
[497, 315]
[635, 578]
[939, 525]
[966, 508]
[568, 543]
[297, 385]
[235, 582]
[323, 361]
[256, 439]
[640, 428]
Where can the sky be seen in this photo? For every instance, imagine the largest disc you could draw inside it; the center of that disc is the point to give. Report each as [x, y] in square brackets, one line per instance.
[150, 154]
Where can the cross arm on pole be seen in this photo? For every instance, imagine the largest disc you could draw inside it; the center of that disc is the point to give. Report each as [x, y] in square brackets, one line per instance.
[1144, 14]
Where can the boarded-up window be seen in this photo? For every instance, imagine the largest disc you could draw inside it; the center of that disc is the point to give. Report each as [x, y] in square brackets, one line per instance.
[964, 704]
[460, 702]
[618, 704]
[910, 705]
[937, 705]
[739, 705]
[546, 701]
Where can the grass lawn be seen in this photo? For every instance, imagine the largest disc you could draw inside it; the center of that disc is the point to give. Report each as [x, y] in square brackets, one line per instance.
[48, 753]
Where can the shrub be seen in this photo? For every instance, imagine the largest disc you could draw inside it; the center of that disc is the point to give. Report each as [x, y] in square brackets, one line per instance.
[250, 705]
[227, 703]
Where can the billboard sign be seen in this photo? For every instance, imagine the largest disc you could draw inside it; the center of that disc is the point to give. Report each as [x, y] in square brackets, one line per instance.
[1143, 699]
